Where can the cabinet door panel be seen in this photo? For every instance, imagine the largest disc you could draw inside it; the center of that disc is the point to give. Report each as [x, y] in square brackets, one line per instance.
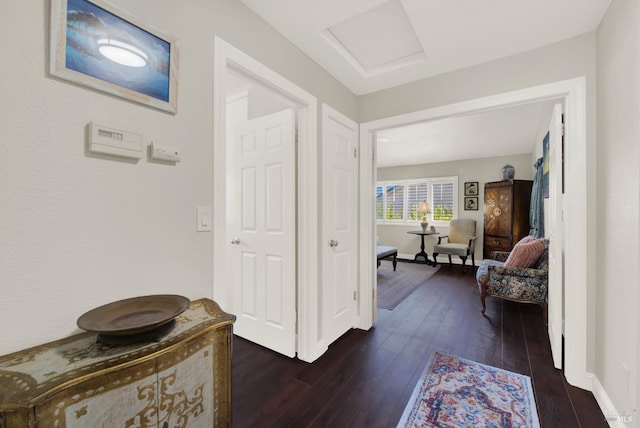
[126, 398]
[193, 386]
[497, 211]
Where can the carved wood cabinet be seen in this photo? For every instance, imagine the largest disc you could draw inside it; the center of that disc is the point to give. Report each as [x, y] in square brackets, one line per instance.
[506, 214]
[181, 381]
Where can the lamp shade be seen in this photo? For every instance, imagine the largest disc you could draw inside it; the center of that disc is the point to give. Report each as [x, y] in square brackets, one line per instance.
[424, 208]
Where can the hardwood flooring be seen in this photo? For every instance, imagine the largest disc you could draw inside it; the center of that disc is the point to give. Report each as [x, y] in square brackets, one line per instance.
[365, 379]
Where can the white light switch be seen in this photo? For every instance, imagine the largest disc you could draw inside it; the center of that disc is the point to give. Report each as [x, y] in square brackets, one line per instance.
[203, 219]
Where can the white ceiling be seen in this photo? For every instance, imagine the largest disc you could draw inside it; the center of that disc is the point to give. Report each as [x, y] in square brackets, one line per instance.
[370, 45]
[504, 132]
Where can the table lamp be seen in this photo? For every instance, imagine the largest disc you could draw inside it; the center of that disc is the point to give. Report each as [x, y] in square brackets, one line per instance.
[424, 210]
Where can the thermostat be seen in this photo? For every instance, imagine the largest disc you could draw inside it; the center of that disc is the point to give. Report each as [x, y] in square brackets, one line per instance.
[110, 141]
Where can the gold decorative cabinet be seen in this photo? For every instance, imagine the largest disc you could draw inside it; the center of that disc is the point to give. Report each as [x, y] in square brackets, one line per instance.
[184, 380]
[506, 214]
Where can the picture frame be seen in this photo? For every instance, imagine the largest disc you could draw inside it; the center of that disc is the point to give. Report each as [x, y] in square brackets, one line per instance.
[471, 188]
[471, 203]
[95, 45]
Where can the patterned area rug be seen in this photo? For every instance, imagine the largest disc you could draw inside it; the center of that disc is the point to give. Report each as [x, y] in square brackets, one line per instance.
[454, 392]
[394, 287]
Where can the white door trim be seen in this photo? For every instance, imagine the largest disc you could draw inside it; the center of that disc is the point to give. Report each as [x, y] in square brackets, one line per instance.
[225, 55]
[580, 230]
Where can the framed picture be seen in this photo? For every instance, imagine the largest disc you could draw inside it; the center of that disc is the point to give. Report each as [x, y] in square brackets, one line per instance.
[94, 45]
[471, 188]
[471, 203]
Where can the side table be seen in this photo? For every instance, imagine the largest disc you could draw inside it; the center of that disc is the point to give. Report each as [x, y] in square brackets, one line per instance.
[422, 253]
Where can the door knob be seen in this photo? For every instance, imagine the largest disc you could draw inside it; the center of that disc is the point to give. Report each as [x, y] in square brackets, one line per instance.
[235, 241]
[333, 243]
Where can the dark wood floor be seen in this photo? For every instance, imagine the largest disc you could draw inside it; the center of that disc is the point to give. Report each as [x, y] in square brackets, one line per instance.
[366, 378]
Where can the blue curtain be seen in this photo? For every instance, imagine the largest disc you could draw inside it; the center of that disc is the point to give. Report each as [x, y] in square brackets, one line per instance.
[536, 209]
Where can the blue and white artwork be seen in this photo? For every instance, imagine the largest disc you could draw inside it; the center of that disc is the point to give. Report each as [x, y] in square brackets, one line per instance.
[104, 46]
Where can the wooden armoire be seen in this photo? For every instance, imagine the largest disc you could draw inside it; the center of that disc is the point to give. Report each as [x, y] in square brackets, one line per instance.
[506, 214]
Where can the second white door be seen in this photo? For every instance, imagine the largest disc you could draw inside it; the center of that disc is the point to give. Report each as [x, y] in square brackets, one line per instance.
[339, 212]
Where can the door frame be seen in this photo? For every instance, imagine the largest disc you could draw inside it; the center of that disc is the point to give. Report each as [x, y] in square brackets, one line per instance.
[580, 208]
[226, 56]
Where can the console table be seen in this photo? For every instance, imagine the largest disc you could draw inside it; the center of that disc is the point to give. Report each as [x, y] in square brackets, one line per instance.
[184, 380]
[422, 253]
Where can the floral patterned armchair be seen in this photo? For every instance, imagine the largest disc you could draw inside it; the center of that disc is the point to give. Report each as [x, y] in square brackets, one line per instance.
[526, 285]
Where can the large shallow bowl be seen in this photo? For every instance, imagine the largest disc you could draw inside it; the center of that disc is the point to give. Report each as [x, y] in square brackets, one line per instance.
[133, 316]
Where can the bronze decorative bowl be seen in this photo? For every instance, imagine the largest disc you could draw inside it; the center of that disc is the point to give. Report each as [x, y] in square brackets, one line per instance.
[134, 316]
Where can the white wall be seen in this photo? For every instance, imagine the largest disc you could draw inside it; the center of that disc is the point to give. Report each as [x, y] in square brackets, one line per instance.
[564, 60]
[617, 294]
[78, 231]
[480, 170]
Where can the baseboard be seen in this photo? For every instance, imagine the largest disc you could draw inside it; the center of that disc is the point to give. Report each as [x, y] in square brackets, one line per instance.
[406, 256]
[613, 416]
[309, 357]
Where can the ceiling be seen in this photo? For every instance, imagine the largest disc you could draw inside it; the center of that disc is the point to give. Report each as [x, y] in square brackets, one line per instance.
[370, 45]
[504, 132]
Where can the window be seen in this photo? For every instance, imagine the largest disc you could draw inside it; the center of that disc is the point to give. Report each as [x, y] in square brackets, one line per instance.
[416, 194]
[398, 202]
[443, 198]
[395, 202]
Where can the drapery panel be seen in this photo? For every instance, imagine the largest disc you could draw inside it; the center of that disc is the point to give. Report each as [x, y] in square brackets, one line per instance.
[536, 210]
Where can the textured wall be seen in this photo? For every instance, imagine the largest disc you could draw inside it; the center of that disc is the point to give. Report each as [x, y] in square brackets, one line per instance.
[77, 230]
[618, 323]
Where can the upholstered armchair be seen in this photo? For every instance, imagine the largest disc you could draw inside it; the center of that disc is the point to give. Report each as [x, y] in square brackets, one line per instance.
[461, 241]
[518, 284]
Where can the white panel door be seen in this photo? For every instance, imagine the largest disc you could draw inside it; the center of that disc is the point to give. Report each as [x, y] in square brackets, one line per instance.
[555, 234]
[262, 226]
[339, 231]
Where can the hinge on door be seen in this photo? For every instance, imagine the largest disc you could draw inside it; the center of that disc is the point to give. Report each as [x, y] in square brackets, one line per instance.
[355, 153]
[355, 295]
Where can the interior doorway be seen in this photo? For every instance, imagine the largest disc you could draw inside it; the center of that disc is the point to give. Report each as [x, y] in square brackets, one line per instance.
[261, 212]
[577, 269]
[229, 61]
[467, 147]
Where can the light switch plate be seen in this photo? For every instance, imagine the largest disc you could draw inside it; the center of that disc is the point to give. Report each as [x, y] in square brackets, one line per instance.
[203, 219]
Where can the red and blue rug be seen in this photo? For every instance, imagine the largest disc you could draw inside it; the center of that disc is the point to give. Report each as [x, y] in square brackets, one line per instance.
[454, 392]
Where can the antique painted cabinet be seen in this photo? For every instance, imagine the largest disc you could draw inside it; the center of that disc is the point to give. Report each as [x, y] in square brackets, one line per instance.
[506, 214]
[181, 381]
